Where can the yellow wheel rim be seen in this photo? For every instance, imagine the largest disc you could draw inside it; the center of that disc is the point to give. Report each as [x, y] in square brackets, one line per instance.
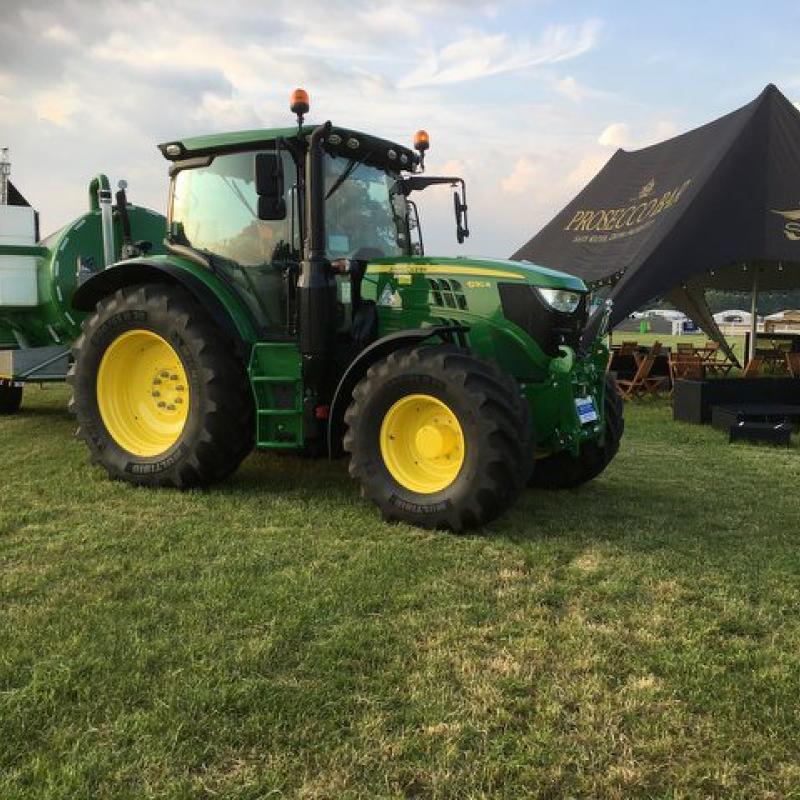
[143, 393]
[422, 443]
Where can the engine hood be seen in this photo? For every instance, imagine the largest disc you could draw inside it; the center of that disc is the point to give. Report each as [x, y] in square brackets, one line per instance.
[477, 268]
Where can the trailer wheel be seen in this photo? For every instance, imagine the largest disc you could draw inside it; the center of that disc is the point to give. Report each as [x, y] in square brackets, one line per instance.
[10, 398]
[437, 438]
[161, 398]
[562, 471]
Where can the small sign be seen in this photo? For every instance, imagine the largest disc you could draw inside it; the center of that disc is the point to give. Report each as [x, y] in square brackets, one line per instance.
[390, 298]
[586, 411]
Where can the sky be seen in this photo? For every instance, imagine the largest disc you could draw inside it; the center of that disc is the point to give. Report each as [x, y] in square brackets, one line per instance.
[526, 100]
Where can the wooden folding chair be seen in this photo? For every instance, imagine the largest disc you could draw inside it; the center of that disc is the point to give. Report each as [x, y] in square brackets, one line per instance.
[716, 361]
[641, 383]
[686, 366]
[780, 360]
[710, 352]
[793, 364]
[685, 348]
[753, 368]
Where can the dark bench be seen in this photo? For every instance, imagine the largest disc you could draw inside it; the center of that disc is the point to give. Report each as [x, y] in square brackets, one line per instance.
[728, 416]
[779, 434]
[693, 400]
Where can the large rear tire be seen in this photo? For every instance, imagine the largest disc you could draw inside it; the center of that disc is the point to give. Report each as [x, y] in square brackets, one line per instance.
[438, 438]
[10, 398]
[563, 471]
[160, 395]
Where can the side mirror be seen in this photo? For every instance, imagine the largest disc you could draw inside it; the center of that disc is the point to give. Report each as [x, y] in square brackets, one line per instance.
[269, 186]
[462, 227]
[414, 227]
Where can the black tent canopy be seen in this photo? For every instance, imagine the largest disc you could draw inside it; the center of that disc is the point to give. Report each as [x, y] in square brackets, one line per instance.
[717, 207]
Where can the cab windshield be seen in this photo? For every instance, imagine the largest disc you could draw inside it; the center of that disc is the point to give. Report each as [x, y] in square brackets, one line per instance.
[365, 216]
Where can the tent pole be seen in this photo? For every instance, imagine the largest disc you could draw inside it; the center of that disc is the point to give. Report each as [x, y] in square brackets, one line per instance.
[753, 317]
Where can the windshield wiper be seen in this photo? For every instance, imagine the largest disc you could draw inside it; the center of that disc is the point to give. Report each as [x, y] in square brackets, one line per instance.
[346, 173]
[238, 192]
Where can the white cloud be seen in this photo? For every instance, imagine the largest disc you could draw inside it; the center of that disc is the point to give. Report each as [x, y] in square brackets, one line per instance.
[58, 105]
[453, 166]
[664, 129]
[618, 134]
[570, 88]
[586, 169]
[578, 92]
[235, 112]
[523, 177]
[391, 20]
[58, 33]
[481, 55]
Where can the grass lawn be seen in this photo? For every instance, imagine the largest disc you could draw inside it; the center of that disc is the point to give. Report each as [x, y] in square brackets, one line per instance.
[272, 638]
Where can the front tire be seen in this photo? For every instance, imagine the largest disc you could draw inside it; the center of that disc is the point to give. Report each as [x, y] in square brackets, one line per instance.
[563, 471]
[160, 396]
[10, 398]
[438, 438]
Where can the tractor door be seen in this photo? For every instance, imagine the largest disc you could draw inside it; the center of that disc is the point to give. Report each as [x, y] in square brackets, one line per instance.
[214, 210]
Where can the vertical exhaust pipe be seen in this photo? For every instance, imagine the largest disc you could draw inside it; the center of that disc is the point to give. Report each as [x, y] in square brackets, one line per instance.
[316, 285]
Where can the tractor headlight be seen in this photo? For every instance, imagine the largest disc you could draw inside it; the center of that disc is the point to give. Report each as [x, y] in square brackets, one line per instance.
[560, 299]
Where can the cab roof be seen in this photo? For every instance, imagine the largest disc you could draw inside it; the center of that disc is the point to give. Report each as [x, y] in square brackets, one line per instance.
[342, 141]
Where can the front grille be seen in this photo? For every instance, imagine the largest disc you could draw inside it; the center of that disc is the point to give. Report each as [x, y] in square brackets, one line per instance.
[549, 328]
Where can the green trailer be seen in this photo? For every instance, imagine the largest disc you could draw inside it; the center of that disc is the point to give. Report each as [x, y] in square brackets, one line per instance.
[293, 309]
[38, 278]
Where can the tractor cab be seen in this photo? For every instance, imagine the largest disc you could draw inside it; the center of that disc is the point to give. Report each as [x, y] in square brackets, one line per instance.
[239, 200]
[216, 208]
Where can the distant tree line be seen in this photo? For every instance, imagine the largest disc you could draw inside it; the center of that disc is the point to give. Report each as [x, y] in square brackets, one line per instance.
[768, 302]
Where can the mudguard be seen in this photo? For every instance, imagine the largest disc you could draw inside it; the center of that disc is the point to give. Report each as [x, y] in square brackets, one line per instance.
[365, 359]
[124, 274]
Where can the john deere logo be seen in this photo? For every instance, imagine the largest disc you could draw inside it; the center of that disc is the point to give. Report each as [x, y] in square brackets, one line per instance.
[792, 227]
[647, 189]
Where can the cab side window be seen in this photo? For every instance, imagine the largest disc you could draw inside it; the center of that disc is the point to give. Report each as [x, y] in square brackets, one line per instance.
[217, 209]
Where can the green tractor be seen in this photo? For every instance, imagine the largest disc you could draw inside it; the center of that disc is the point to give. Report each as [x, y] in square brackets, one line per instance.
[293, 309]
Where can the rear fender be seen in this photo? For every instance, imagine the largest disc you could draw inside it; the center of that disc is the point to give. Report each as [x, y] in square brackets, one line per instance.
[227, 312]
